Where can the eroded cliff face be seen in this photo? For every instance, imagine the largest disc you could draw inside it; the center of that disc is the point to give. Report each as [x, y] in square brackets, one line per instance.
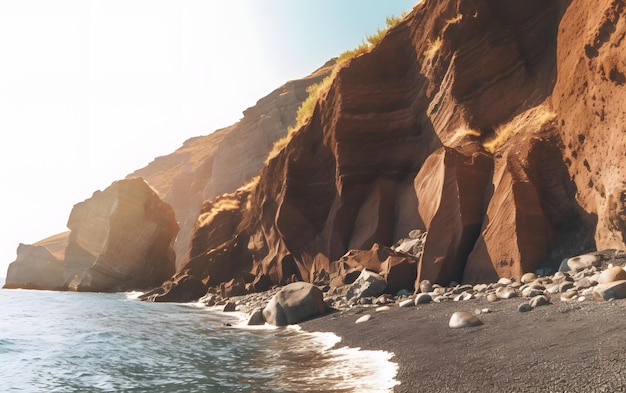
[208, 166]
[495, 127]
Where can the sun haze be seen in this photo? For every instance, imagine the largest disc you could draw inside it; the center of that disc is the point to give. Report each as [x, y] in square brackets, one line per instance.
[92, 90]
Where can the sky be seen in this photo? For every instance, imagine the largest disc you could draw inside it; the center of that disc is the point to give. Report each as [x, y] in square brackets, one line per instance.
[91, 90]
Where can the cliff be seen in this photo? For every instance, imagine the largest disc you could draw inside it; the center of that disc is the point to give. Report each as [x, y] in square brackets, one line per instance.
[208, 166]
[493, 127]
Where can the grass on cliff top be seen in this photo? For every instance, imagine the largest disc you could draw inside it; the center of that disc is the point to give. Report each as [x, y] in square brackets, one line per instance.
[317, 90]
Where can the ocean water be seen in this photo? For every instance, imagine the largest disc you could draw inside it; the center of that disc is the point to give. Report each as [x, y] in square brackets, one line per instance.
[92, 342]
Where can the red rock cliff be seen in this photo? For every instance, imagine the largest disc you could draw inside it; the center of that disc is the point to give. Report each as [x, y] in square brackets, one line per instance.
[494, 126]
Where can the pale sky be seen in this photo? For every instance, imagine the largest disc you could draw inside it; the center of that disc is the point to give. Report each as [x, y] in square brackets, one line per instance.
[91, 90]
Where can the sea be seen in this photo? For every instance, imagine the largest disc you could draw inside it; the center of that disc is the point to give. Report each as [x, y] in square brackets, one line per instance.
[95, 342]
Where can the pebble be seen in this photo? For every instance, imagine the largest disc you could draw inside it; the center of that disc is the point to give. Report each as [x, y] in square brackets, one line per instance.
[539, 301]
[407, 303]
[463, 319]
[528, 278]
[565, 286]
[524, 307]
[426, 286]
[383, 308]
[612, 274]
[569, 295]
[423, 298]
[363, 318]
[505, 281]
[492, 297]
[531, 292]
[506, 293]
[582, 298]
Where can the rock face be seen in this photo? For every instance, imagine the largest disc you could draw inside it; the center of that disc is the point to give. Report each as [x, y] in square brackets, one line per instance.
[208, 166]
[120, 239]
[476, 123]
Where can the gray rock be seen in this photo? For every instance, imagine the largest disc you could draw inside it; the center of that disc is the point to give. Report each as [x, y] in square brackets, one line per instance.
[230, 307]
[294, 303]
[423, 298]
[524, 307]
[426, 286]
[531, 292]
[367, 284]
[463, 319]
[539, 301]
[584, 282]
[256, 318]
[611, 290]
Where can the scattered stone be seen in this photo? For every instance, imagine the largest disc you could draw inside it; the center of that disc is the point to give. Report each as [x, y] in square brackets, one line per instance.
[524, 307]
[615, 273]
[578, 263]
[492, 297]
[404, 292]
[531, 292]
[569, 295]
[365, 301]
[480, 287]
[582, 298]
[407, 303]
[506, 293]
[383, 308]
[538, 301]
[230, 307]
[423, 298]
[565, 286]
[553, 289]
[505, 281]
[611, 290]
[426, 286]
[528, 278]
[363, 318]
[583, 283]
[463, 319]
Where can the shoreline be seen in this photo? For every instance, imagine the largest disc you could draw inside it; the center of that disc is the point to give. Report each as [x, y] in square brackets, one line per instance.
[565, 346]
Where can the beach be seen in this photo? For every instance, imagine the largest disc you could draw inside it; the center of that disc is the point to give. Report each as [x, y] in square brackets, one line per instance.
[561, 347]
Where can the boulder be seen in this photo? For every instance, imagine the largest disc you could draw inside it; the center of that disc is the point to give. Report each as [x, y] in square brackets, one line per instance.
[294, 303]
[369, 284]
[611, 290]
[182, 289]
[121, 239]
[256, 318]
[615, 273]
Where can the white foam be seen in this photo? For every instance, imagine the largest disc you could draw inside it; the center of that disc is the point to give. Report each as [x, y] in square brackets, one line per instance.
[353, 368]
[133, 295]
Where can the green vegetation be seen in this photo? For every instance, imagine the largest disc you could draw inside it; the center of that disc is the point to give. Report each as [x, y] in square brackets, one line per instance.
[316, 90]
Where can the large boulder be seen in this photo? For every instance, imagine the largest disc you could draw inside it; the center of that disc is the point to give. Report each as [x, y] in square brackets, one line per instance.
[294, 303]
[121, 239]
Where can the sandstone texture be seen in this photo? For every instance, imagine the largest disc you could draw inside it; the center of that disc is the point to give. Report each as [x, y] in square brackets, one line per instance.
[469, 138]
[120, 239]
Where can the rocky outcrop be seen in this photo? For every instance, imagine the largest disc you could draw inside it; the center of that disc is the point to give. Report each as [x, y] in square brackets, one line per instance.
[40, 265]
[208, 166]
[120, 239]
[453, 125]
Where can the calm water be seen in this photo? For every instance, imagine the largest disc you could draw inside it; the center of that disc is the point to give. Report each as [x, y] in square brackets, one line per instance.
[83, 342]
